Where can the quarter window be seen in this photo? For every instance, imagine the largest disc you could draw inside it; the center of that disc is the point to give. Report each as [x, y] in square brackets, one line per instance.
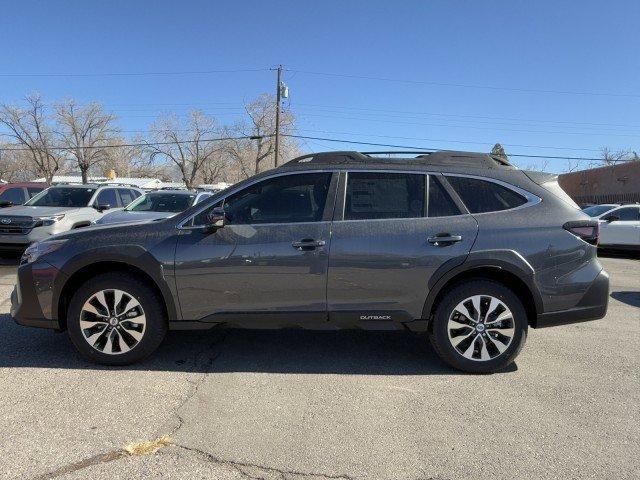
[284, 199]
[372, 195]
[482, 196]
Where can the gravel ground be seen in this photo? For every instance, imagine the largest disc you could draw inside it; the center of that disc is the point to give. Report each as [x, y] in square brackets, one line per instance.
[293, 404]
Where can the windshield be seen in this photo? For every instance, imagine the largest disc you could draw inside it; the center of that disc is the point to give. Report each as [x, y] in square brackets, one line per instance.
[161, 202]
[62, 197]
[596, 210]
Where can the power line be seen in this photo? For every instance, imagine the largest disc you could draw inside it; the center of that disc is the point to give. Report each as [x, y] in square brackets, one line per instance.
[133, 74]
[144, 144]
[464, 85]
[324, 139]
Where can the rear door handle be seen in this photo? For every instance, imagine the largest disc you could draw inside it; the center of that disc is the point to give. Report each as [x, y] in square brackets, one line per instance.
[308, 244]
[444, 239]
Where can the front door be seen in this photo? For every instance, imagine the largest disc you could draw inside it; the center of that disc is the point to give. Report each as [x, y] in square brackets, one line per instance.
[269, 263]
[624, 230]
[394, 232]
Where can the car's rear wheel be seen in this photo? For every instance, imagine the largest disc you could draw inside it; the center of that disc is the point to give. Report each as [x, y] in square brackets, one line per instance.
[480, 326]
[116, 319]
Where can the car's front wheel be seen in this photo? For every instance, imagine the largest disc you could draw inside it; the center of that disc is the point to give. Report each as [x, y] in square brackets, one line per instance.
[480, 326]
[116, 319]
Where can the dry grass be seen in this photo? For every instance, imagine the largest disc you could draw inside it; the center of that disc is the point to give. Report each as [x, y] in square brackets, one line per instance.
[147, 448]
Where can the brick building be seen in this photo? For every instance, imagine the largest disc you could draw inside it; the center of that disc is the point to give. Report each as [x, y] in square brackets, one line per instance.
[618, 183]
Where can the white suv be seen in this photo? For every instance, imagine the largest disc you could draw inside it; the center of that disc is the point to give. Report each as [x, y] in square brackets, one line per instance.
[58, 209]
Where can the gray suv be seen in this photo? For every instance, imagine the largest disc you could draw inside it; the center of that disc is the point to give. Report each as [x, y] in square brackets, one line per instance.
[57, 209]
[461, 246]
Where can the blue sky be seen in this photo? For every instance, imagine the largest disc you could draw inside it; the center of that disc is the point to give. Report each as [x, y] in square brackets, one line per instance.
[478, 72]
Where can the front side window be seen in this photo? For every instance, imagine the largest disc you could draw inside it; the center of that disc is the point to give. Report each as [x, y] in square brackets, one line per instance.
[627, 214]
[74, 197]
[285, 199]
[374, 195]
[481, 196]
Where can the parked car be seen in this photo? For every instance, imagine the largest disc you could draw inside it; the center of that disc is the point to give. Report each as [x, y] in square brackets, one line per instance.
[620, 228]
[462, 246]
[57, 209]
[155, 205]
[597, 210]
[18, 193]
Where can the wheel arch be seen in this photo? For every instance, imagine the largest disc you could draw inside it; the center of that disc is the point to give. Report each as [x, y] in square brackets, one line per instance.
[516, 276]
[62, 295]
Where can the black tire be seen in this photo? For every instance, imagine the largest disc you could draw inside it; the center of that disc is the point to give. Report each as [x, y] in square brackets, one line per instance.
[439, 330]
[155, 326]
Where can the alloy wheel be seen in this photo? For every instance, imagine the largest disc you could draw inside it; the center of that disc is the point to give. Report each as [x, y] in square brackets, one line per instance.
[112, 321]
[481, 328]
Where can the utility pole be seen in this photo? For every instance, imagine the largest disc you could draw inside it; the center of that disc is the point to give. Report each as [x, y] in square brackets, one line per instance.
[278, 88]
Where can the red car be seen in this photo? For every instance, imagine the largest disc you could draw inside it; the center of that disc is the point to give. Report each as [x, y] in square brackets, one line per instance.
[18, 193]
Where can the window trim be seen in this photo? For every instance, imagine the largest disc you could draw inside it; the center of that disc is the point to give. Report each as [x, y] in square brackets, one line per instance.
[530, 198]
[326, 214]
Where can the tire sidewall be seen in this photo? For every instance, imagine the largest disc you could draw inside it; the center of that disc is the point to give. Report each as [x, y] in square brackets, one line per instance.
[155, 328]
[440, 336]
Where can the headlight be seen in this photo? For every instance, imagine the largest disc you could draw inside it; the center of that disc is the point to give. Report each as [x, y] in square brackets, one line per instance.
[46, 221]
[36, 250]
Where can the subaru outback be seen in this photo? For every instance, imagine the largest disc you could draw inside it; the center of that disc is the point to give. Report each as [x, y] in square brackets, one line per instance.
[460, 246]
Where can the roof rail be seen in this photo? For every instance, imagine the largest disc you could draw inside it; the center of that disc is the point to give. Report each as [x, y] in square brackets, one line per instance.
[440, 157]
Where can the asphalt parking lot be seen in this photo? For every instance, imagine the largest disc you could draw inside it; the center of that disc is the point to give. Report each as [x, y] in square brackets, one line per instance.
[293, 404]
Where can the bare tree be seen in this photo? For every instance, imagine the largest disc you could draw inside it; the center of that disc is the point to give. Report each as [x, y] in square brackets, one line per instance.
[252, 155]
[86, 131]
[15, 163]
[610, 157]
[31, 128]
[129, 160]
[187, 145]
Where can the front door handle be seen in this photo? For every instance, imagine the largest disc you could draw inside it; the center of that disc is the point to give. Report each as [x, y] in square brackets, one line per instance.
[444, 239]
[307, 244]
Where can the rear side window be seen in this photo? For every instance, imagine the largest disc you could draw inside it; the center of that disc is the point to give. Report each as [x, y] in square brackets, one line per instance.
[33, 191]
[440, 203]
[482, 196]
[372, 195]
[107, 197]
[126, 196]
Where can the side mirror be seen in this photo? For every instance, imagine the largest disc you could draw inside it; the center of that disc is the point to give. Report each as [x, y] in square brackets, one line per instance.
[5, 204]
[611, 218]
[216, 218]
[102, 207]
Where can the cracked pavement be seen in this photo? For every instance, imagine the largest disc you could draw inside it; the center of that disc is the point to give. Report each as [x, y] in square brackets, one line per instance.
[328, 405]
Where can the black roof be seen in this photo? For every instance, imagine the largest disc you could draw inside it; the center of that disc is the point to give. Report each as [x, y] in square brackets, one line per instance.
[440, 158]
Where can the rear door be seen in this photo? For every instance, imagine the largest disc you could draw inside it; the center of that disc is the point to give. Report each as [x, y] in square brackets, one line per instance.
[391, 232]
[623, 231]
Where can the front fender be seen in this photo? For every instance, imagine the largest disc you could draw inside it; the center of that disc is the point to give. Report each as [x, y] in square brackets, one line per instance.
[128, 255]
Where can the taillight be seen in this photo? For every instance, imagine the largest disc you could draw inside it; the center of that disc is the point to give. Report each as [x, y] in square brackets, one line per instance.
[587, 230]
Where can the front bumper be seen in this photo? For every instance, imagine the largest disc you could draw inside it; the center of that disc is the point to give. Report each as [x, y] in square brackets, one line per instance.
[32, 297]
[592, 306]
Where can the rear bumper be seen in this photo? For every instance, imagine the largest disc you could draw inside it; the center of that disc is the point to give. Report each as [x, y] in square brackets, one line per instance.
[592, 306]
[31, 299]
